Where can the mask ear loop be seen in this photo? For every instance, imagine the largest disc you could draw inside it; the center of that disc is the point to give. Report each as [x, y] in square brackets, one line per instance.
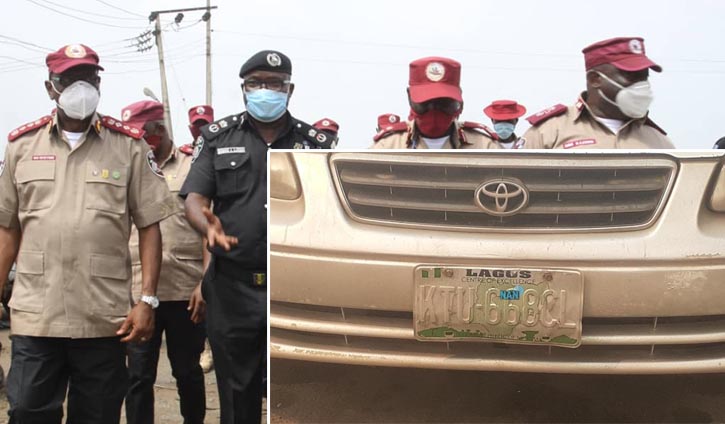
[614, 83]
[52, 84]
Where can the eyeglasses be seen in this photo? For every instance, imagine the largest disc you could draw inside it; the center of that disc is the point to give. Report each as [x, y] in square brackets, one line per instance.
[270, 84]
[67, 80]
[447, 106]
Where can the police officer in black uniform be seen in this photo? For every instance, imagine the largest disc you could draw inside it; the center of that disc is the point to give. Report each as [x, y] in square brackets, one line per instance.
[230, 169]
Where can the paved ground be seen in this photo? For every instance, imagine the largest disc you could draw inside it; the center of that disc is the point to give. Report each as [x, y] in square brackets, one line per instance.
[167, 403]
[306, 392]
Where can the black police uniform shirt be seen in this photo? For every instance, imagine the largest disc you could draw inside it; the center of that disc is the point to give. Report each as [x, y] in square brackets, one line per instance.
[230, 168]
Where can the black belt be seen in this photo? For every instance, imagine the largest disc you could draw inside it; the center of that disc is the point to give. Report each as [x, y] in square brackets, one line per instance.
[233, 270]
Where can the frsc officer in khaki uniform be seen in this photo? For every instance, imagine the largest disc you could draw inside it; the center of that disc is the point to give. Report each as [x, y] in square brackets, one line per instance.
[181, 306]
[70, 186]
[614, 111]
[436, 101]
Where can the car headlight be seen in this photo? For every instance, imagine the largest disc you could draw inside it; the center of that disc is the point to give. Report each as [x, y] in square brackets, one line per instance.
[717, 198]
[283, 180]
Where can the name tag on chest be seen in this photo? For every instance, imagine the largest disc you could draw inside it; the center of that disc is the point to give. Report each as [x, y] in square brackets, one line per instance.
[228, 150]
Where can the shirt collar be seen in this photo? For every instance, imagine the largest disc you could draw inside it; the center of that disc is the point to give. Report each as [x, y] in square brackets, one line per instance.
[173, 155]
[246, 123]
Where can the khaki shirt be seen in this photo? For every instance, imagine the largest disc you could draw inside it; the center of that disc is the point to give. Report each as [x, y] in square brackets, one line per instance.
[74, 208]
[576, 128]
[462, 138]
[181, 261]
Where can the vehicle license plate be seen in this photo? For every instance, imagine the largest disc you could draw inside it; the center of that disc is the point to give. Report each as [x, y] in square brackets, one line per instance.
[507, 305]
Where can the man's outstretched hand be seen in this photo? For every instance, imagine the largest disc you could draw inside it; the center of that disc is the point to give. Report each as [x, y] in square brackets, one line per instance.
[215, 233]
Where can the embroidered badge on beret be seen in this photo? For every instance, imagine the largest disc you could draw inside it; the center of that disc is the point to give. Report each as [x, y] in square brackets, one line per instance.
[435, 71]
[152, 164]
[75, 51]
[274, 60]
[635, 46]
[200, 110]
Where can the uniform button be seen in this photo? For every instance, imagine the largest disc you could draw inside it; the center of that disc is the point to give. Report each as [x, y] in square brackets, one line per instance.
[233, 163]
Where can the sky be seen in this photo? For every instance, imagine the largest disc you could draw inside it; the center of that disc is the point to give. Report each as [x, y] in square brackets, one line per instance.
[350, 59]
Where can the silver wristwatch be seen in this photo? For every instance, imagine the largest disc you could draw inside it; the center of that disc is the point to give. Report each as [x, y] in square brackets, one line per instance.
[152, 301]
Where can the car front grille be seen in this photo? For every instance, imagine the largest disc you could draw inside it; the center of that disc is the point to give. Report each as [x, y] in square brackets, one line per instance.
[471, 191]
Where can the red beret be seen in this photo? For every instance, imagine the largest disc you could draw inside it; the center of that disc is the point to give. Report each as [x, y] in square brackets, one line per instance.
[203, 112]
[139, 113]
[327, 124]
[625, 53]
[435, 77]
[503, 110]
[69, 56]
[387, 119]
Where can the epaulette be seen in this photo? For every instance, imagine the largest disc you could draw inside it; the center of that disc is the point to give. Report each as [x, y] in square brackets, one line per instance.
[187, 149]
[655, 126]
[545, 114]
[24, 129]
[397, 127]
[213, 130]
[318, 139]
[118, 126]
[468, 125]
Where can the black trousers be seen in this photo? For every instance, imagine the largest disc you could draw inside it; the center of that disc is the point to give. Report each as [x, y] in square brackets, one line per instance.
[237, 331]
[184, 344]
[42, 369]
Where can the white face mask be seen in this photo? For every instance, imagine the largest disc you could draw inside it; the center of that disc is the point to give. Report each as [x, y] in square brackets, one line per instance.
[79, 100]
[634, 101]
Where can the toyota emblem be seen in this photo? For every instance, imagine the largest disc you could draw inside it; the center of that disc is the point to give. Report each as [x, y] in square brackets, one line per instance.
[502, 196]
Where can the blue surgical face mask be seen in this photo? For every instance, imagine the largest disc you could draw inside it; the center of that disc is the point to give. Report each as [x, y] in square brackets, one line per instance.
[504, 129]
[266, 105]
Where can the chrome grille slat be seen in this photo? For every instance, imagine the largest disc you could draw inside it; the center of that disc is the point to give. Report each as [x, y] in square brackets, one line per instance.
[649, 183]
[550, 207]
[579, 192]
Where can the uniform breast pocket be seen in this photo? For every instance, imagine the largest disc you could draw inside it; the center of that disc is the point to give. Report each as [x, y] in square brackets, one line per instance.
[233, 171]
[106, 188]
[36, 182]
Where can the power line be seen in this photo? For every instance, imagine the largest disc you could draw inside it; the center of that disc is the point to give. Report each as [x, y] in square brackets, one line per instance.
[122, 10]
[89, 13]
[27, 43]
[15, 43]
[79, 18]
[423, 47]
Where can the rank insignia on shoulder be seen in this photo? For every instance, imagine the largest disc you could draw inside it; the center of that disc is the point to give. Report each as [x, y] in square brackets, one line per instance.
[469, 125]
[216, 128]
[546, 114]
[118, 126]
[24, 129]
[397, 127]
[315, 138]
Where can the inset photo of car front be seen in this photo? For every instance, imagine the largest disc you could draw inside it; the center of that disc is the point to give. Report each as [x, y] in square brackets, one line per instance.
[584, 263]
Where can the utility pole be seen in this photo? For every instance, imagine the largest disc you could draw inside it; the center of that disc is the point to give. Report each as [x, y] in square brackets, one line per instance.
[207, 17]
[162, 69]
[156, 16]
